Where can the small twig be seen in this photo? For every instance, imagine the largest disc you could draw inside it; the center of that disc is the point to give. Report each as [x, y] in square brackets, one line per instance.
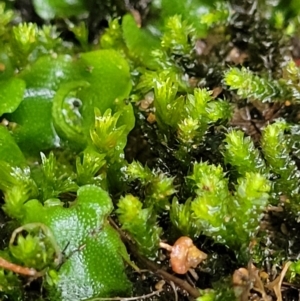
[128, 299]
[194, 292]
[19, 269]
[125, 237]
[165, 246]
[155, 268]
[174, 289]
[258, 285]
[276, 284]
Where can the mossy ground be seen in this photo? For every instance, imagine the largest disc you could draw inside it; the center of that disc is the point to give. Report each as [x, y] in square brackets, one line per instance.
[249, 38]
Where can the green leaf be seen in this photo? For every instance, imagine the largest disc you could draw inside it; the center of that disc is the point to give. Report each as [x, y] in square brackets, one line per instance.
[35, 131]
[5, 18]
[11, 94]
[48, 9]
[109, 77]
[6, 68]
[66, 116]
[95, 264]
[9, 150]
[140, 42]
[48, 72]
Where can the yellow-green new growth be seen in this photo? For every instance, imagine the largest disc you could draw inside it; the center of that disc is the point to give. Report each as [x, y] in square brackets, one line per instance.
[254, 87]
[241, 153]
[140, 223]
[211, 211]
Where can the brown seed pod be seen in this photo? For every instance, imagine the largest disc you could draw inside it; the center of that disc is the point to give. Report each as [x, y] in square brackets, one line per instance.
[185, 255]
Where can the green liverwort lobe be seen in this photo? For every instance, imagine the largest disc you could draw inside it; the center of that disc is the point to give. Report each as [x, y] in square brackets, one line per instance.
[95, 252]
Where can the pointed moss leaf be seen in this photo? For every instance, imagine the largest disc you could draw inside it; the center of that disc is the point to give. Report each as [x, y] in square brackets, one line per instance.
[81, 33]
[182, 218]
[89, 168]
[276, 147]
[209, 178]
[33, 250]
[213, 207]
[253, 87]
[210, 205]
[140, 223]
[48, 9]
[10, 283]
[136, 170]
[23, 41]
[9, 150]
[159, 191]
[201, 106]
[95, 267]
[188, 130]
[56, 178]
[106, 136]
[158, 186]
[241, 153]
[17, 186]
[189, 10]
[28, 42]
[177, 36]
[251, 199]
[291, 76]
[168, 106]
[217, 15]
[202, 110]
[113, 37]
[11, 94]
[218, 110]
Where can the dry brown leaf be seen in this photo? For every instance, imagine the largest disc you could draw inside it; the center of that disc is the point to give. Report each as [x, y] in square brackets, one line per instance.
[275, 285]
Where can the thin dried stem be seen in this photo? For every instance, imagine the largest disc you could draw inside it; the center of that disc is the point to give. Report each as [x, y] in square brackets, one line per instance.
[165, 246]
[7, 265]
[155, 293]
[155, 268]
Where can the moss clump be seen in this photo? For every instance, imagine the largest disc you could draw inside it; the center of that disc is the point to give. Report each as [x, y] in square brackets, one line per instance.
[82, 97]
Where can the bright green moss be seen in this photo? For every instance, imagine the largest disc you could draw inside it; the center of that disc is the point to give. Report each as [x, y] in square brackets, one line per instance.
[171, 78]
